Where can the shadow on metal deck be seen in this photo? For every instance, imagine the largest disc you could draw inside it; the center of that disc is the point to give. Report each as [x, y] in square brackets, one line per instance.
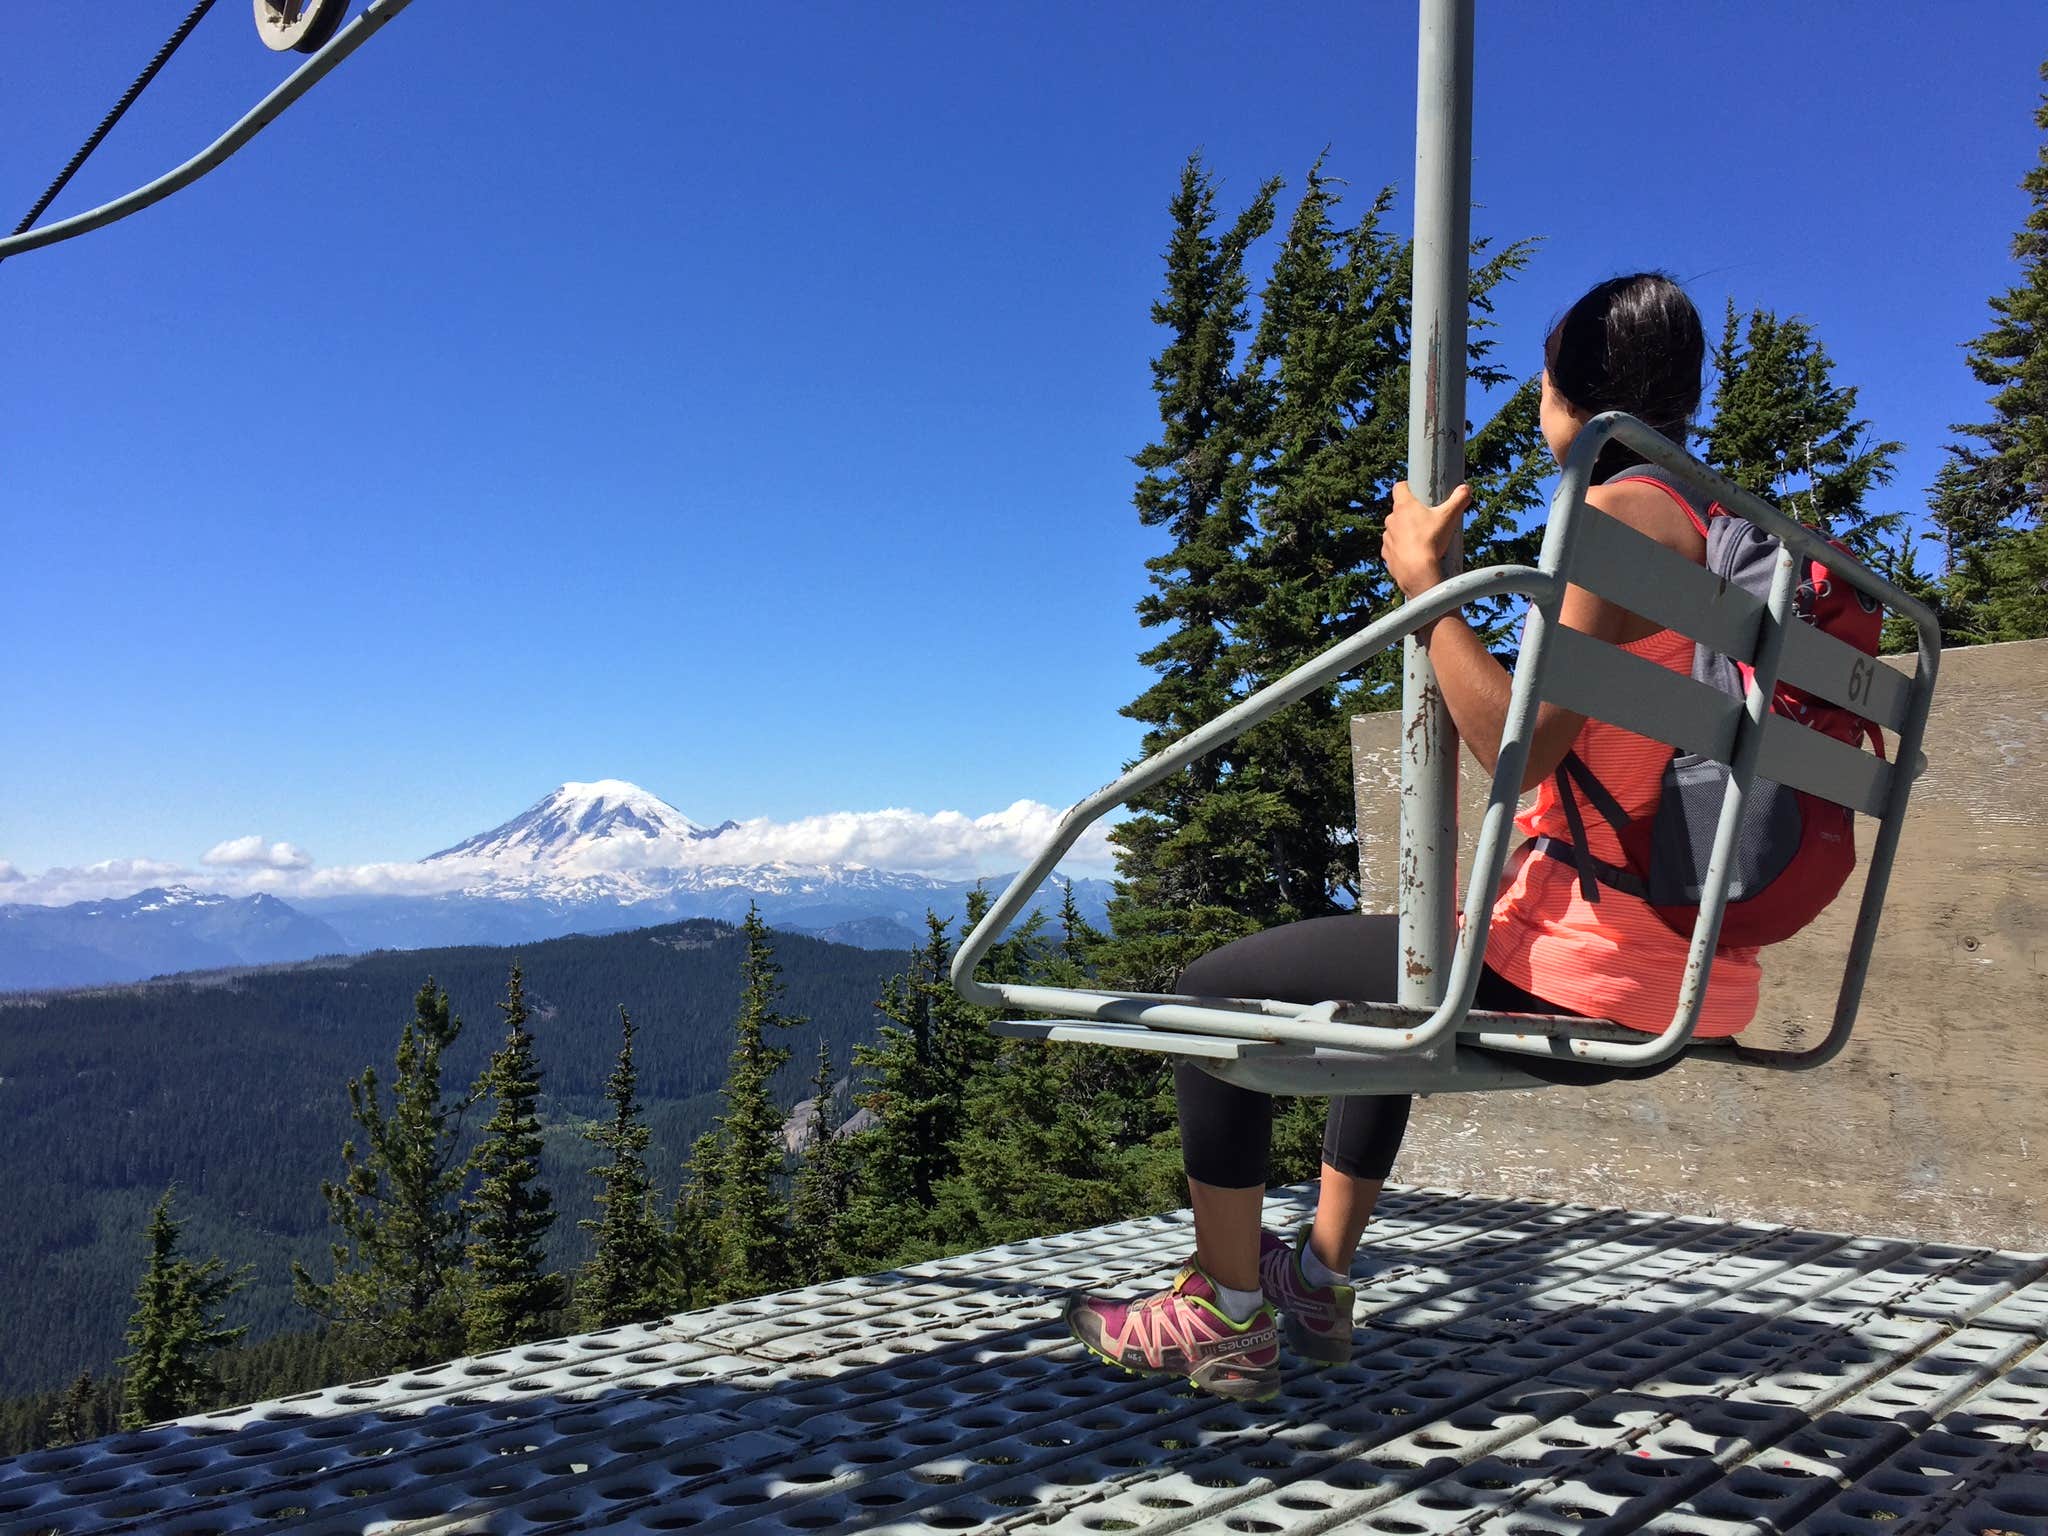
[1523, 1366]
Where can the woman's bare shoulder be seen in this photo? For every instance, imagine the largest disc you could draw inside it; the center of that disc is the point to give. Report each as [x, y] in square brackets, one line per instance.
[1649, 509]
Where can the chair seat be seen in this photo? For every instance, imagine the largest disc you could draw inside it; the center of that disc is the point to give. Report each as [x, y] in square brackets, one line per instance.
[1136, 1037]
[1269, 1066]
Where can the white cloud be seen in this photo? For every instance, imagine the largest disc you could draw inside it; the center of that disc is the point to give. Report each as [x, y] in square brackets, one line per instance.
[252, 852]
[371, 880]
[94, 882]
[9, 874]
[942, 843]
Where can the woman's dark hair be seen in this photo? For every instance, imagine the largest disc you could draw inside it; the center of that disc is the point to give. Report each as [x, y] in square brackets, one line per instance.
[1631, 344]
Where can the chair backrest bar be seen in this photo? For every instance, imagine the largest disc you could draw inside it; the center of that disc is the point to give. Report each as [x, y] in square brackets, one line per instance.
[1841, 674]
[1793, 755]
[1612, 560]
[1607, 683]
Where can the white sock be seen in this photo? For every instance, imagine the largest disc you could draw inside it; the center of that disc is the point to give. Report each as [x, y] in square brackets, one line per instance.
[1316, 1271]
[1238, 1305]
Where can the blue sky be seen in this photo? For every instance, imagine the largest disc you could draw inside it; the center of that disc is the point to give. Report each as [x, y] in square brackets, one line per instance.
[741, 403]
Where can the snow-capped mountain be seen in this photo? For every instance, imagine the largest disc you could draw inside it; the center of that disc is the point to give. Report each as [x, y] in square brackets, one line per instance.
[613, 844]
[162, 929]
[597, 857]
[603, 821]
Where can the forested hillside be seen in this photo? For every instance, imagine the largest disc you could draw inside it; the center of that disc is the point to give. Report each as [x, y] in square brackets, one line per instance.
[234, 1089]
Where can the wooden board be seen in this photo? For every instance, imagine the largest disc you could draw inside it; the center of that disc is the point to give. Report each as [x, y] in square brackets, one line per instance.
[1934, 1123]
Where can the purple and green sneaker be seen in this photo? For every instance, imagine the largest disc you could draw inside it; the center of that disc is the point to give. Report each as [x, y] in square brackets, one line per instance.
[1317, 1318]
[1184, 1331]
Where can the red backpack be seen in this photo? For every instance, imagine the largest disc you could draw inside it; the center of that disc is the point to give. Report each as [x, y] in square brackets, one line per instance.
[1793, 851]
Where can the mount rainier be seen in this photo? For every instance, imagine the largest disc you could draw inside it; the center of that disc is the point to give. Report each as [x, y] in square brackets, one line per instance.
[607, 855]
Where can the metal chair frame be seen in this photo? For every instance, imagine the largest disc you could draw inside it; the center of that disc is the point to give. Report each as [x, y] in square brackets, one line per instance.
[1384, 1047]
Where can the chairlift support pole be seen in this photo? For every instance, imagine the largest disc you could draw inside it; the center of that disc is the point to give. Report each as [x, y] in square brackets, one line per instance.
[1428, 865]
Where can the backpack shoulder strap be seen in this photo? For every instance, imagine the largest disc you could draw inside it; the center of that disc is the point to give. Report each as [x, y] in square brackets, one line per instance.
[1573, 779]
[1574, 769]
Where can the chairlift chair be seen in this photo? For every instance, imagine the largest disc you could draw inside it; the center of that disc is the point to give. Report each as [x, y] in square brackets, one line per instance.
[1352, 1047]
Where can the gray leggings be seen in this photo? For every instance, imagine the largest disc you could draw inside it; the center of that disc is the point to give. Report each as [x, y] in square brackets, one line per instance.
[1226, 1131]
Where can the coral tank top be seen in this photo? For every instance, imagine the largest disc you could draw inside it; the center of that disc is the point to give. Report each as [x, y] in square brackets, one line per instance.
[1613, 958]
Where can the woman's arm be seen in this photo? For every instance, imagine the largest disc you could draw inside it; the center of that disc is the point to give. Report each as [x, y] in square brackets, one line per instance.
[1475, 685]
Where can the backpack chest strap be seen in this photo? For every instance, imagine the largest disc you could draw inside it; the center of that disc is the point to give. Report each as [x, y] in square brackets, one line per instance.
[1593, 873]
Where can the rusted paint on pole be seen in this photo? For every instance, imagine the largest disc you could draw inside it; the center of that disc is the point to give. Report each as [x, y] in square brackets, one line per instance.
[1436, 463]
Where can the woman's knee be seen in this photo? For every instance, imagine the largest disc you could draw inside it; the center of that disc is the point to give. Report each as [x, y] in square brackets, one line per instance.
[1215, 974]
[1194, 981]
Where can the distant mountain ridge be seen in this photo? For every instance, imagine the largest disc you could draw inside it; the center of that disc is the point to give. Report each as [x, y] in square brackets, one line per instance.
[589, 857]
[162, 929]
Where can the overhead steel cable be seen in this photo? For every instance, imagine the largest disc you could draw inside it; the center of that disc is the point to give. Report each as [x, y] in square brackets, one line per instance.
[324, 61]
[127, 100]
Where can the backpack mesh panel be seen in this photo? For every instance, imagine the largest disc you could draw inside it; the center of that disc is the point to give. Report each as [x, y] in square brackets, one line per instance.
[1682, 837]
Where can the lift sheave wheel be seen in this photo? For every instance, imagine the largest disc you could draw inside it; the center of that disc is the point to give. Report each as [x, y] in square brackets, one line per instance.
[299, 25]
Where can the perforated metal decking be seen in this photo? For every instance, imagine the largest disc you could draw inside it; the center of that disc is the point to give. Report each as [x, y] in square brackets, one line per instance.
[1522, 1367]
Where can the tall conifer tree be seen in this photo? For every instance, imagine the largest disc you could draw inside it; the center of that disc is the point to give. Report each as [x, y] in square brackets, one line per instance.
[1174, 899]
[78, 1415]
[918, 1069]
[753, 1218]
[1990, 504]
[623, 1281]
[1331, 348]
[510, 1293]
[395, 1299]
[1078, 937]
[1782, 428]
[176, 1329]
[1045, 1138]
[693, 1258]
[818, 1205]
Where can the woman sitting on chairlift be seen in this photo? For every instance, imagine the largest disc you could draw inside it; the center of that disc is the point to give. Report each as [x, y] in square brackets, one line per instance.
[1632, 344]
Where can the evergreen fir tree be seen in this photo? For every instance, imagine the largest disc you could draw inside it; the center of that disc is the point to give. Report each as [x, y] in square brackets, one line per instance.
[1078, 938]
[1175, 898]
[693, 1229]
[176, 1329]
[1058, 1137]
[1332, 346]
[1782, 428]
[623, 1280]
[1901, 567]
[510, 1294]
[1327, 342]
[1275, 555]
[78, 1412]
[1990, 504]
[752, 1228]
[1039, 1150]
[818, 1206]
[917, 1075]
[395, 1299]
[1999, 590]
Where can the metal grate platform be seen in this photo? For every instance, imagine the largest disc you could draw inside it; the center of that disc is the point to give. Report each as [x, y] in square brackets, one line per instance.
[1524, 1367]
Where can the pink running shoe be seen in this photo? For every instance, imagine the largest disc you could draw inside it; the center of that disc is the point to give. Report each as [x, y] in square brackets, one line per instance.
[1183, 1331]
[1317, 1318]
